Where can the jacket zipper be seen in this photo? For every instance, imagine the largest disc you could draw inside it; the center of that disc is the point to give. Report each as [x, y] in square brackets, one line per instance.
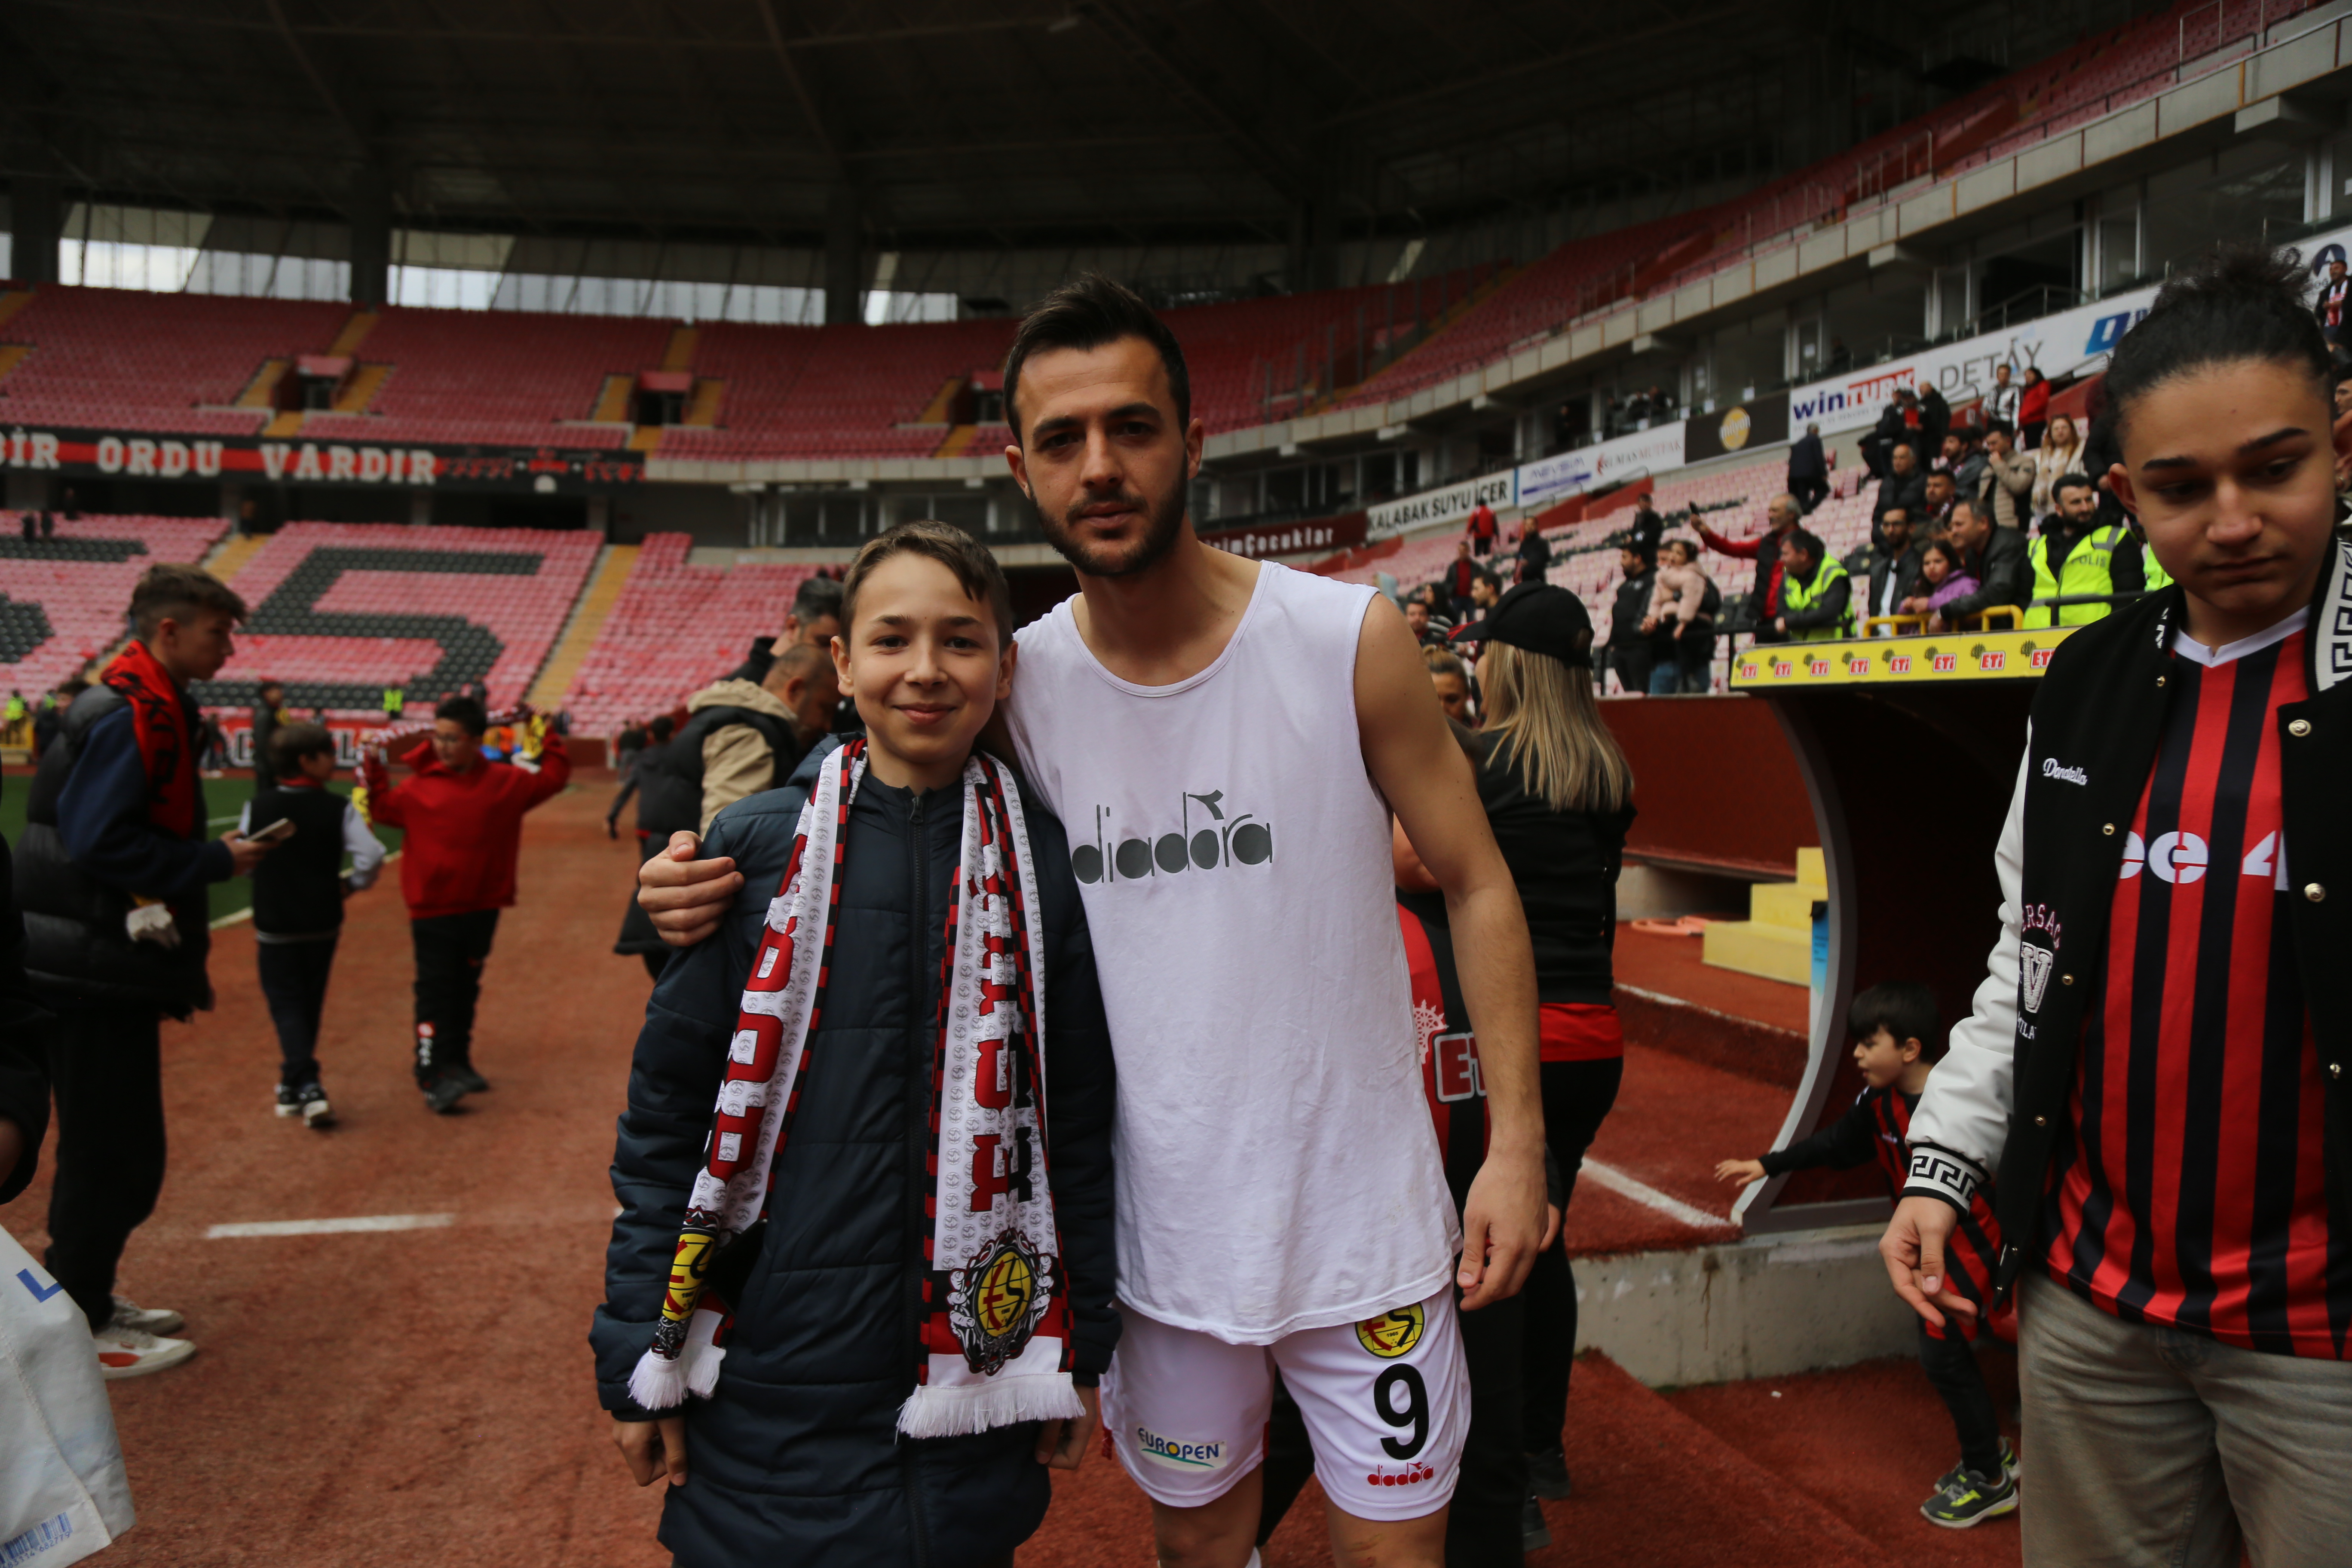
[917, 1124]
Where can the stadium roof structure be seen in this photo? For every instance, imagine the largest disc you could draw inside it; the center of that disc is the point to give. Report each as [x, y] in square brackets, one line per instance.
[958, 123]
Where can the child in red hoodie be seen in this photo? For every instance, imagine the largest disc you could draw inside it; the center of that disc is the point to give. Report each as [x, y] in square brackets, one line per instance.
[463, 816]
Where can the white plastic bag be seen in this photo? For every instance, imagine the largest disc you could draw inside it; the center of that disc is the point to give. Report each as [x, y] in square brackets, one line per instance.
[63, 1494]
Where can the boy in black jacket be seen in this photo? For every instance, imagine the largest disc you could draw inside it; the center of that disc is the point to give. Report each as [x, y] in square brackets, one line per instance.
[895, 1321]
[297, 902]
[1891, 1025]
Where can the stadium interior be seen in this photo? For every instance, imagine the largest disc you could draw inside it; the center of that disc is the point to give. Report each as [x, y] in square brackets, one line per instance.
[550, 349]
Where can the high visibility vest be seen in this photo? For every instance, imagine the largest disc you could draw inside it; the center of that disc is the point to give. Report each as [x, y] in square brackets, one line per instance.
[1796, 596]
[394, 699]
[2157, 577]
[2089, 568]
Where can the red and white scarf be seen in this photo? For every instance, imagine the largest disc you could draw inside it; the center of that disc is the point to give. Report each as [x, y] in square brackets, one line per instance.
[995, 1344]
[159, 722]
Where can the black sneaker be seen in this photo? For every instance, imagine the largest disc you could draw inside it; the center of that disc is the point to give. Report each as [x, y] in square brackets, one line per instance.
[464, 1073]
[2009, 1467]
[306, 1101]
[442, 1095]
[1970, 1499]
[1534, 1533]
[1548, 1475]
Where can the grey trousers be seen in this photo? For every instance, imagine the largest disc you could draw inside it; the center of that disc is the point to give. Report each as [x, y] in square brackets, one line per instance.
[2148, 1447]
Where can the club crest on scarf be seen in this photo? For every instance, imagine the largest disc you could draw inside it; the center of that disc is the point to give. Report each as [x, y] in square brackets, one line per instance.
[996, 1350]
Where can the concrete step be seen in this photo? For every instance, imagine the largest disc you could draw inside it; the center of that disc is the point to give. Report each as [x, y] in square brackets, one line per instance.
[1785, 903]
[1757, 947]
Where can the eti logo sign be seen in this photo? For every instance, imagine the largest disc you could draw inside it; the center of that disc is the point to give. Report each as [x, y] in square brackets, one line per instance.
[1991, 661]
[1898, 664]
[2042, 657]
[1817, 666]
[1946, 663]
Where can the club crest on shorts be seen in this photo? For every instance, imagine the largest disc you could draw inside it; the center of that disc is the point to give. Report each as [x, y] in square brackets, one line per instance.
[1393, 1333]
[2035, 962]
[996, 1300]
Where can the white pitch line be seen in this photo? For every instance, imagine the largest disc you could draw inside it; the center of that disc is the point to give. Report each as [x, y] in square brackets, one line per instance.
[1641, 1193]
[329, 1227]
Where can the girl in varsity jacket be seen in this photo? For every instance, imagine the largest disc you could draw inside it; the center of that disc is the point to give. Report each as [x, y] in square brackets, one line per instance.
[2155, 1065]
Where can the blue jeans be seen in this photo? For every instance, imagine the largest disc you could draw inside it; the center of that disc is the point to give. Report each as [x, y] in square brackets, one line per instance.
[1665, 677]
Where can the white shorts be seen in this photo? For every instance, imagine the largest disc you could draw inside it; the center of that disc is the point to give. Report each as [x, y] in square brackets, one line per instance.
[1386, 1401]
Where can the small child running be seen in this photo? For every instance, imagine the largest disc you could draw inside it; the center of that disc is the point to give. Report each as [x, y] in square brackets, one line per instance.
[297, 902]
[1891, 1025]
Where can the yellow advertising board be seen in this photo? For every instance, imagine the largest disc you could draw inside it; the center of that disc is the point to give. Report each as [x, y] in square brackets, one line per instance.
[1886, 661]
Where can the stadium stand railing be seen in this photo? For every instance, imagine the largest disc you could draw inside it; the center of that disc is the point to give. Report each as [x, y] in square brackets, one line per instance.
[62, 600]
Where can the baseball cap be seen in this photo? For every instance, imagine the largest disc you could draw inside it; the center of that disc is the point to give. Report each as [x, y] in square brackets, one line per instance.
[1538, 617]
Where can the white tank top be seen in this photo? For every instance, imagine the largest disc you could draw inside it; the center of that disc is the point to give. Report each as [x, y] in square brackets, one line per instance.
[1277, 1169]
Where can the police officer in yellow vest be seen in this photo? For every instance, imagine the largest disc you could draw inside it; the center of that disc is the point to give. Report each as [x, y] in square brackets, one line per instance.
[2075, 555]
[1816, 593]
[396, 702]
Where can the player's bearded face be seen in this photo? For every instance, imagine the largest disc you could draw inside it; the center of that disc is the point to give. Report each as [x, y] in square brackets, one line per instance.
[1082, 544]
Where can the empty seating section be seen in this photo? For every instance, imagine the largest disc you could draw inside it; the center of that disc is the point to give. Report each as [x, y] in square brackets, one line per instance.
[119, 359]
[497, 377]
[832, 392]
[675, 629]
[343, 609]
[62, 600]
[1246, 358]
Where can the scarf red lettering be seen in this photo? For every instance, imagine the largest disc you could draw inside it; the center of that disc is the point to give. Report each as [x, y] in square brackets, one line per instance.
[993, 1347]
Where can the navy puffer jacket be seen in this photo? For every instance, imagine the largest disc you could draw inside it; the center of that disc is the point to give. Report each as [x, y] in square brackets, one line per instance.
[797, 1458]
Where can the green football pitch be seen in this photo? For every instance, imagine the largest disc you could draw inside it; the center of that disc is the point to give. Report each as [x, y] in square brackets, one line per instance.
[223, 799]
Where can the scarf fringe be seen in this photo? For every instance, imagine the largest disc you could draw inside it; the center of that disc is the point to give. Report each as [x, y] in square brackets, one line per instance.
[965, 1410]
[659, 1382]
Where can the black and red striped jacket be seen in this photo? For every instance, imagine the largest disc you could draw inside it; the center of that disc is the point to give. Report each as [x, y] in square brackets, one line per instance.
[2001, 1099]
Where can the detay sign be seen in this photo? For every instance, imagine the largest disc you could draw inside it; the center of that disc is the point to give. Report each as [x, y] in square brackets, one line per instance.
[1443, 505]
[2057, 345]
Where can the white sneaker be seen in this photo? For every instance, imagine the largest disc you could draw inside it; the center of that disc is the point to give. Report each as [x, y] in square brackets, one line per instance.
[134, 1352]
[130, 1314]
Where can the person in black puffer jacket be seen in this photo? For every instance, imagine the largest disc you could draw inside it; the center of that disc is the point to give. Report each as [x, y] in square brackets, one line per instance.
[796, 1456]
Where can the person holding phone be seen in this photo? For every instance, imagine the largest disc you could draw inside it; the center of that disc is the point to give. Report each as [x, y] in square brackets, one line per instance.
[297, 902]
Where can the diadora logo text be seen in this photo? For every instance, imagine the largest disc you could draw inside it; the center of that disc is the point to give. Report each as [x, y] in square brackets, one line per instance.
[1207, 836]
[1179, 1454]
[1412, 1475]
[2051, 769]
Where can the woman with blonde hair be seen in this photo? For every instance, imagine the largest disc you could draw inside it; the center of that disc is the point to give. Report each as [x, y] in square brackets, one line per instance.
[1559, 797]
[2060, 454]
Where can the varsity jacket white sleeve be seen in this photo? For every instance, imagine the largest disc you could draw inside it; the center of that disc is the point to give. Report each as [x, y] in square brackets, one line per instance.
[1962, 1121]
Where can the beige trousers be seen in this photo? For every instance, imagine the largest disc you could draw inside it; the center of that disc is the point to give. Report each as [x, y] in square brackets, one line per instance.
[2151, 1448]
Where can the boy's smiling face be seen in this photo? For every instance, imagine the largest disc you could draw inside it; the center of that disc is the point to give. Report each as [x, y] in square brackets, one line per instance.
[926, 665]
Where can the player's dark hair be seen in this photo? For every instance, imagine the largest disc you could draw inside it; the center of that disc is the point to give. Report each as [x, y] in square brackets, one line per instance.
[817, 598]
[1904, 1008]
[976, 571]
[468, 713]
[2243, 303]
[1806, 540]
[1087, 312]
[2065, 482]
[292, 742]
[2002, 426]
[662, 727]
[177, 592]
